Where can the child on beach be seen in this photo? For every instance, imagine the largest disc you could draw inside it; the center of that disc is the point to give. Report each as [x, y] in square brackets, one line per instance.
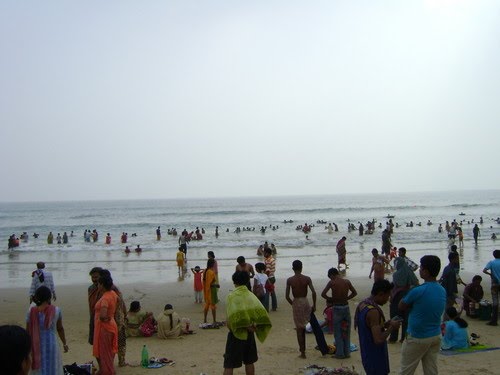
[261, 278]
[198, 285]
[180, 261]
[326, 324]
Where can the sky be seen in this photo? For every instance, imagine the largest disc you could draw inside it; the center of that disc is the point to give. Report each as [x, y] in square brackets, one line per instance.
[177, 99]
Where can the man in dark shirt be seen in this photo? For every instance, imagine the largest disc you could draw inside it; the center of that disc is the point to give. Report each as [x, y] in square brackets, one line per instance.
[449, 279]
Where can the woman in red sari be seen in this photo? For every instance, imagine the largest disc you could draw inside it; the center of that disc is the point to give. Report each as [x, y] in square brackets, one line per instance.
[105, 328]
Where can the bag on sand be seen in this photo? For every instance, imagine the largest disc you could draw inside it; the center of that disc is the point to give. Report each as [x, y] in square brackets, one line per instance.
[148, 328]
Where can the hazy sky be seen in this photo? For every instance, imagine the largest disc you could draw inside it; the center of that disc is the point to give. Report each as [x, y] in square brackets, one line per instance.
[166, 99]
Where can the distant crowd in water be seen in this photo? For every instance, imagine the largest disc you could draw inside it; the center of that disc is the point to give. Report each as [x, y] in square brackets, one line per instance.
[453, 229]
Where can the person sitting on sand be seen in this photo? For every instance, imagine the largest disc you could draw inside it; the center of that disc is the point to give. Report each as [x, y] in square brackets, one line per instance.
[455, 335]
[327, 324]
[169, 324]
[135, 318]
[473, 294]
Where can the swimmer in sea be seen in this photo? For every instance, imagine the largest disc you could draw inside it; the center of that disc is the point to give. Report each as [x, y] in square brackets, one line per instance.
[138, 249]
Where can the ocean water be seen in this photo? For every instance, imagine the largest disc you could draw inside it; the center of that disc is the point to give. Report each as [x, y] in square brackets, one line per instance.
[157, 261]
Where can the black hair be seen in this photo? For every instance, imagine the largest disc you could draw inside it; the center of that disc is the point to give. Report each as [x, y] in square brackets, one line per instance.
[431, 263]
[42, 294]
[211, 254]
[381, 286]
[452, 256]
[496, 254]
[105, 272]
[135, 306]
[240, 259]
[15, 347]
[95, 270]
[297, 265]
[106, 281]
[477, 277]
[453, 315]
[241, 278]
[453, 248]
[333, 272]
[403, 250]
[260, 267]
[168, 306]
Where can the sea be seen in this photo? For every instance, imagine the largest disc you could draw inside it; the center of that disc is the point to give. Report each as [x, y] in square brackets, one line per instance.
[71, 262]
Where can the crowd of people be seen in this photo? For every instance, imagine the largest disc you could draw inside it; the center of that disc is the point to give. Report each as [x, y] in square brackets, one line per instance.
[425, 313]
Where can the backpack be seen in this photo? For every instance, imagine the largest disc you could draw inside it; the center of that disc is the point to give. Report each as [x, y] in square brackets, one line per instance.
[258, 289]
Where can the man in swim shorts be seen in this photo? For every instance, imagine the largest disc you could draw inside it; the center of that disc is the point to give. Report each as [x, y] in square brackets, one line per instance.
[299, 284]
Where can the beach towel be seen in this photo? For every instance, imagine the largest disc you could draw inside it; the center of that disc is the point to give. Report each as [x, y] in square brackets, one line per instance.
[470, 350]
[243, 310]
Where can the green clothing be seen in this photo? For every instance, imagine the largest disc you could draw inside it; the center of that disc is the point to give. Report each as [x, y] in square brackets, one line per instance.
[243, 309]
[135, 319]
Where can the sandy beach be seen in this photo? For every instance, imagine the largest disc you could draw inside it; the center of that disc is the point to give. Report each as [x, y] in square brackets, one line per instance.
[202, 352]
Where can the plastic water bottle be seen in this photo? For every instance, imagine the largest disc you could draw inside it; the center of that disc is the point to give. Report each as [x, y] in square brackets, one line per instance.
[145, 357]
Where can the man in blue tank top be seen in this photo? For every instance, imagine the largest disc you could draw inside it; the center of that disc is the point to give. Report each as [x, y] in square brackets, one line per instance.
[373, 330]
[426, 305]
[493, 269]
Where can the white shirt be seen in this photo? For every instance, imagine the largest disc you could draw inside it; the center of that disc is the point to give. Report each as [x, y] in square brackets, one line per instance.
[261, 278]
[48, 281]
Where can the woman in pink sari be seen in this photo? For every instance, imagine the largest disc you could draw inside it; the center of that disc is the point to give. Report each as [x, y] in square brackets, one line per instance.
[105, 328]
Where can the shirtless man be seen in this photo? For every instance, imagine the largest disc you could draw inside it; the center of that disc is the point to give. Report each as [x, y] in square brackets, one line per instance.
[340, 289]
[378, 266]
[299, 283]
[246, 267]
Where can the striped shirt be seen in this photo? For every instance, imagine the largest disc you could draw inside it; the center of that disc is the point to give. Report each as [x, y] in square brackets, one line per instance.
[270, 263]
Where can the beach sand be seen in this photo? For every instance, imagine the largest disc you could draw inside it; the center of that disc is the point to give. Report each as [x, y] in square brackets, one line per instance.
[201, 353]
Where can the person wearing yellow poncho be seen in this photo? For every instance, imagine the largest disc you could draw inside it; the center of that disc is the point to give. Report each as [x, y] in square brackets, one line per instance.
[246, 318]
